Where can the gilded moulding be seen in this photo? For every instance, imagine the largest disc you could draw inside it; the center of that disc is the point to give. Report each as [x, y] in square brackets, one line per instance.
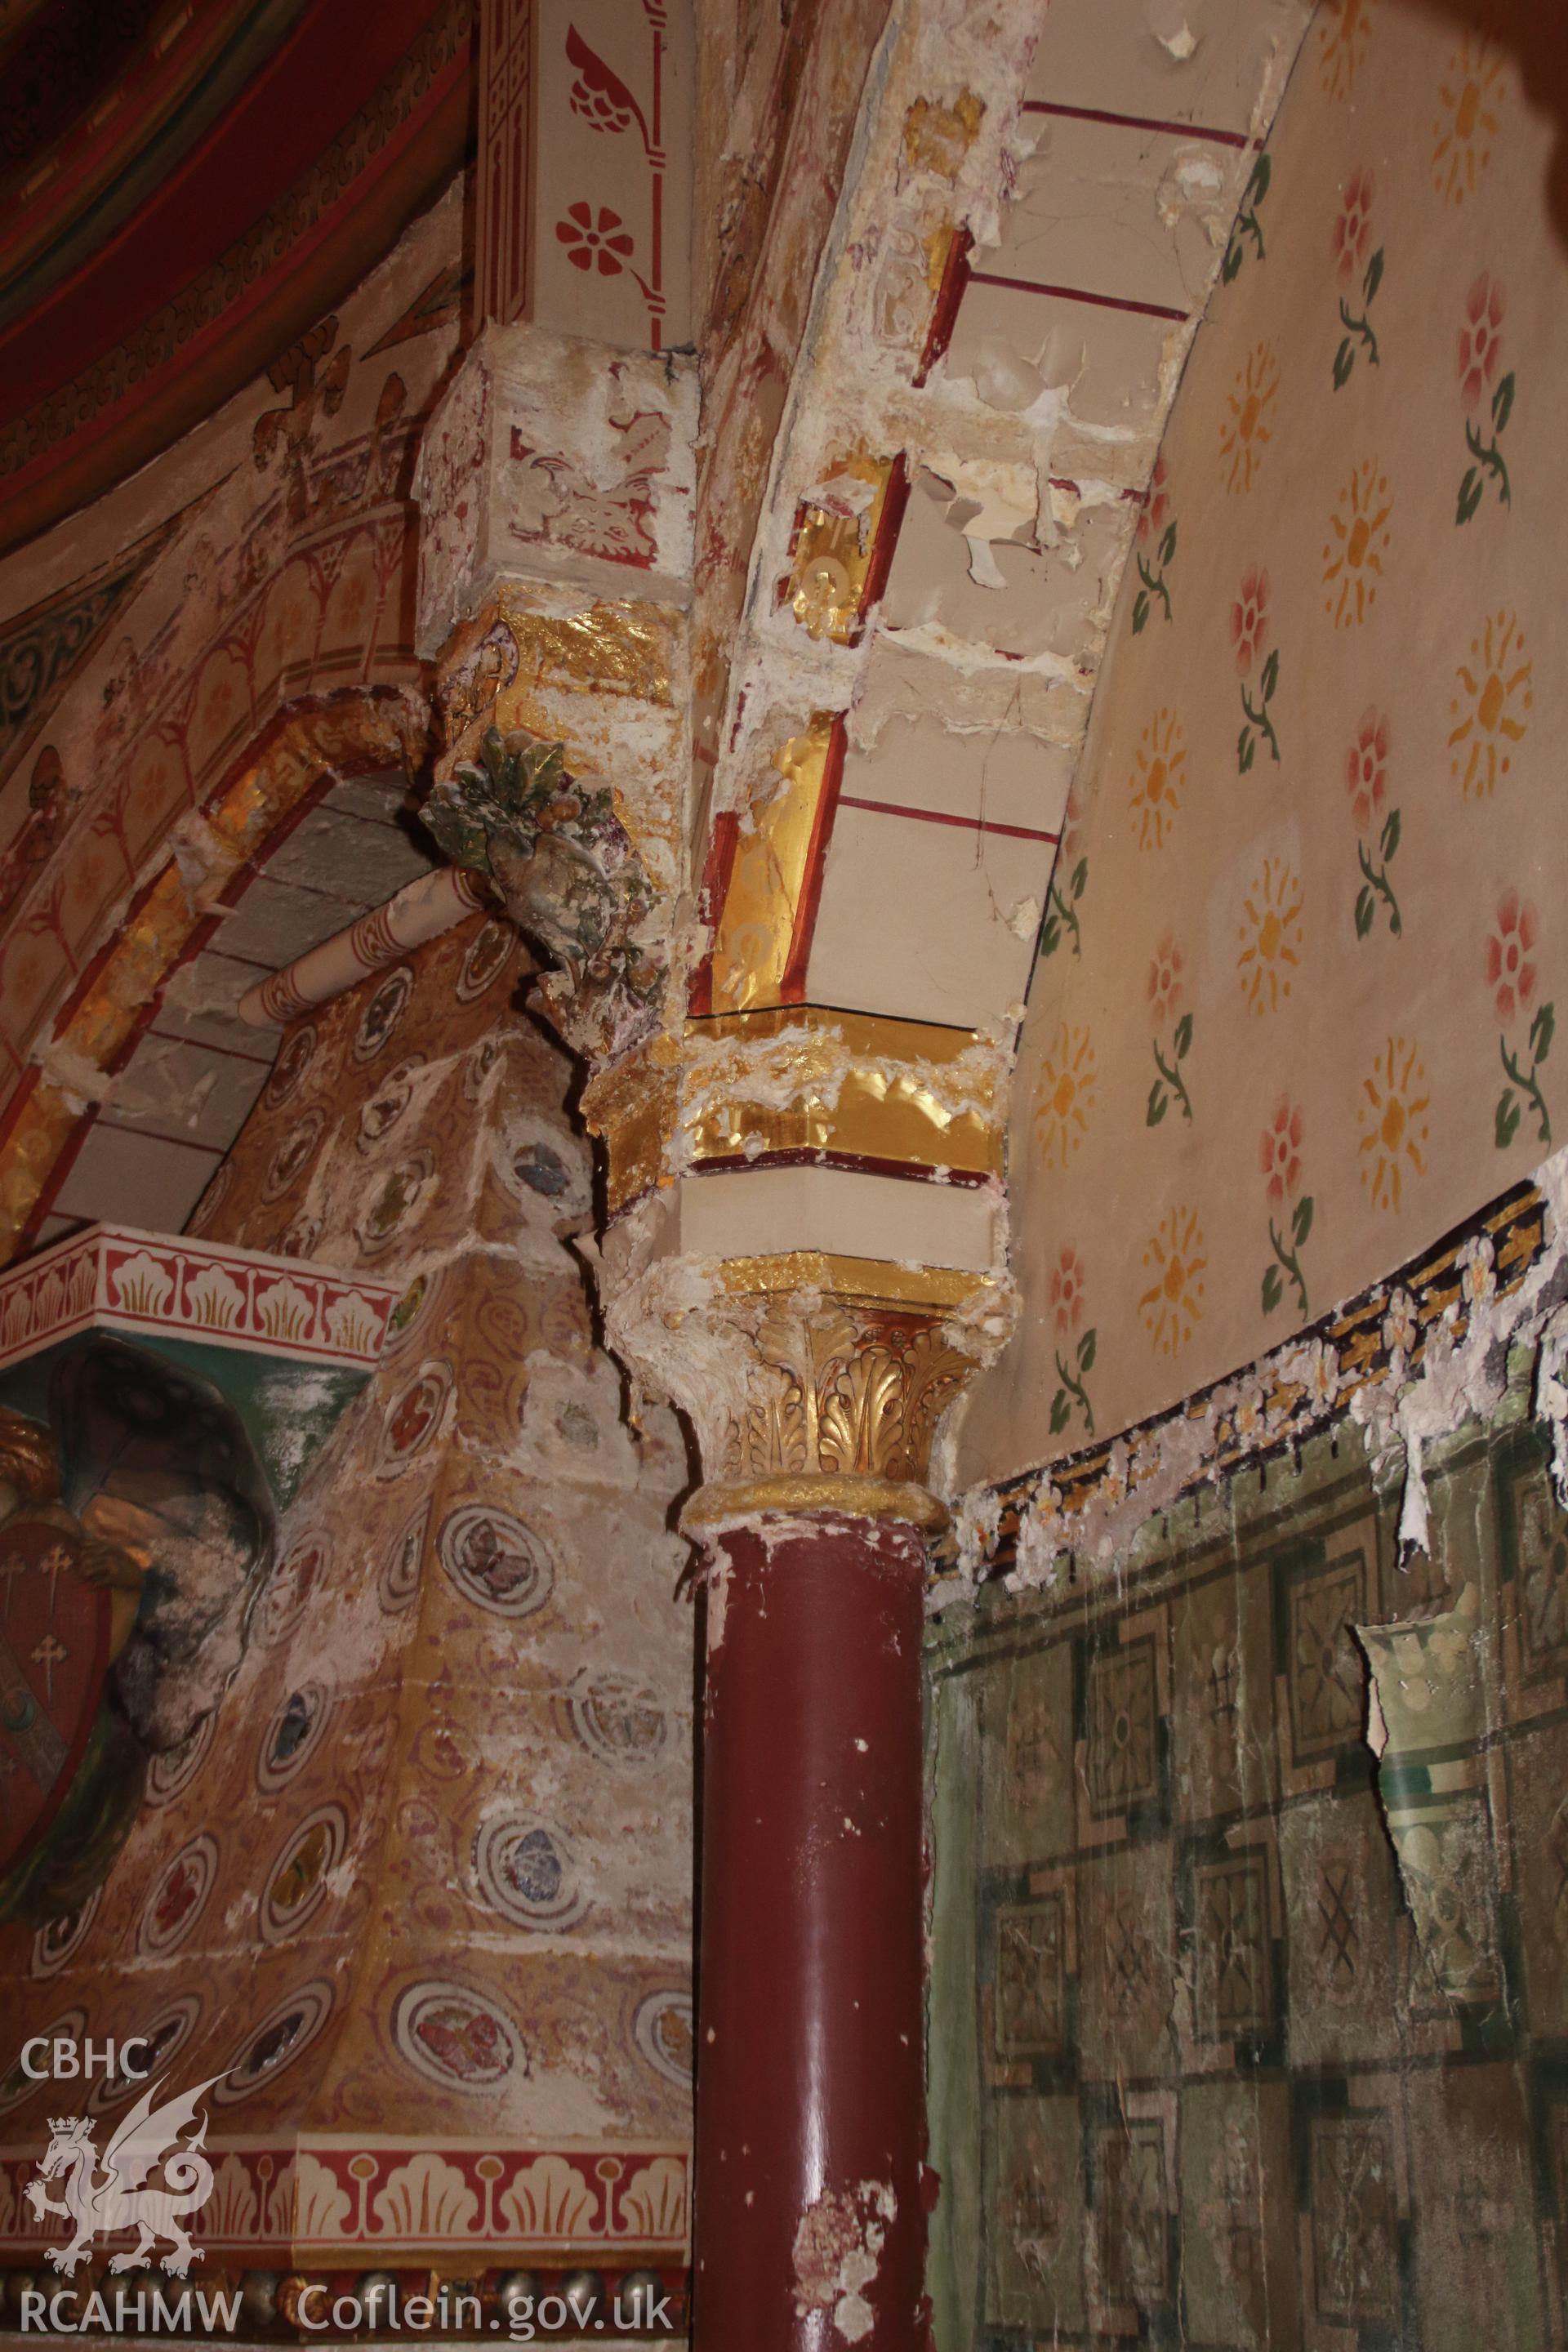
[848, 1088]
[621, 649]
[853, 1087]
[863, 1281]
[632, 1106]
[836, 549]
[732, 1502]
[763, 926]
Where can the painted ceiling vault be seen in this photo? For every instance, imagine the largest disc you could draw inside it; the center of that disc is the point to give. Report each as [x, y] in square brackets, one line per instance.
[186, 189]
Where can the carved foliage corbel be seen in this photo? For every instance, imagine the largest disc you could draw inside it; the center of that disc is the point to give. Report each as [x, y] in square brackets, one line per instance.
[506, 806]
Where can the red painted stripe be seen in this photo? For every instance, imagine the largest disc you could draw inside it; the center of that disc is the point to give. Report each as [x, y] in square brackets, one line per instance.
[16, 1102]
[710, 902]
[895, 499]
[54, 1182]
[949, 294]
[853, 1163]
[944, 816]
[1077, 294]
[1139, 122]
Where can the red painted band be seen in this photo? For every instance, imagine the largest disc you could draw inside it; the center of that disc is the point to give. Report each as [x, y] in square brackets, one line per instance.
[855, 1163]
[945, 816]
[1137, 122]
[1078, 294]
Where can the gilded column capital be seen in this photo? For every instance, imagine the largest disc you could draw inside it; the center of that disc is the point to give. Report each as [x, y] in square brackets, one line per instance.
[814, 1383]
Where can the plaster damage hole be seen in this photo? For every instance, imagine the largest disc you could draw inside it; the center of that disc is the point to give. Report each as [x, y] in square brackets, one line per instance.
[1167, 21]
[837, 2249]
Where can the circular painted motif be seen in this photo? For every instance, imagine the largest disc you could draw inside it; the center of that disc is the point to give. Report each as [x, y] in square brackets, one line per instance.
[291, 1737]
[618, 1718]
[411, 1313]
[299, 1239]
[397, 1585]
[168, 1774]
[495, 1561]
[387, 1006]
[287, 1594]
[179, 1896]
[528, 1872]
[488, 954]
[15, 2086]
[479, 1065]
[298, 1884]
[56, 1940]
[211, 1200]
[295, 1056]
[414, 1416]
[395, 1202]
[455, 2036]
[662, 2030]
[391, 1099]
[169, 2032]
[285, 2034]
[293, 1155]
[538, 1168]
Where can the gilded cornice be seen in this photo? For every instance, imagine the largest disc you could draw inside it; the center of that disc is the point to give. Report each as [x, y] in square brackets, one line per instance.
[857, 1090]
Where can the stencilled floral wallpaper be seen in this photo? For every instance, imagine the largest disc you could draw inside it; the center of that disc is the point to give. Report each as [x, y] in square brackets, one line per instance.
[1294, 1015]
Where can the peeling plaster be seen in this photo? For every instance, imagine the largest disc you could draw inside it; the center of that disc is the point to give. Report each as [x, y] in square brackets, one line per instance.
[1459, 1380]
[1044, 475]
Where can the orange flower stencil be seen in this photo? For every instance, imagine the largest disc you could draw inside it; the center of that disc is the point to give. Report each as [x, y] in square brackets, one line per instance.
[1159, 778]
[1271, 937]
[1248, 425]
[1066, 1096]
[1344, 29]
[1356, 546]
[1467, 123]
[1490, 709]
[1175, 1257]
[1395, 1128]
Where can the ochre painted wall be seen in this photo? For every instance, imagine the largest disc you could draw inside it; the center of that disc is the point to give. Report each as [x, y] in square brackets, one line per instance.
[1292, 1019]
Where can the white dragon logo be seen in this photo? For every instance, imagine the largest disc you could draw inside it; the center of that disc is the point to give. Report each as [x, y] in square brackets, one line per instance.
[147, 2138]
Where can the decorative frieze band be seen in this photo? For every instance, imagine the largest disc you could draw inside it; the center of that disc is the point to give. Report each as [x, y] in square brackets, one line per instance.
[114, 1277]
[320, 2199]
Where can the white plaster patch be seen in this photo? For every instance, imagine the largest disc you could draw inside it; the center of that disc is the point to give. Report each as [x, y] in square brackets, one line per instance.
[572, 1425]
[837, 2247]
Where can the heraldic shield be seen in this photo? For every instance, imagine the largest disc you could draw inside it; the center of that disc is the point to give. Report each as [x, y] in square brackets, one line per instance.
[55, 1630]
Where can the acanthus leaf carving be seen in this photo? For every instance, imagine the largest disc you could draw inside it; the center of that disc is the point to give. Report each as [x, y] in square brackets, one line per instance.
[568, 875]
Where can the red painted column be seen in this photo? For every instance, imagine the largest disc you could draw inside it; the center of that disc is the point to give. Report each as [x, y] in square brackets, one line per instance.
[810, 2232]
